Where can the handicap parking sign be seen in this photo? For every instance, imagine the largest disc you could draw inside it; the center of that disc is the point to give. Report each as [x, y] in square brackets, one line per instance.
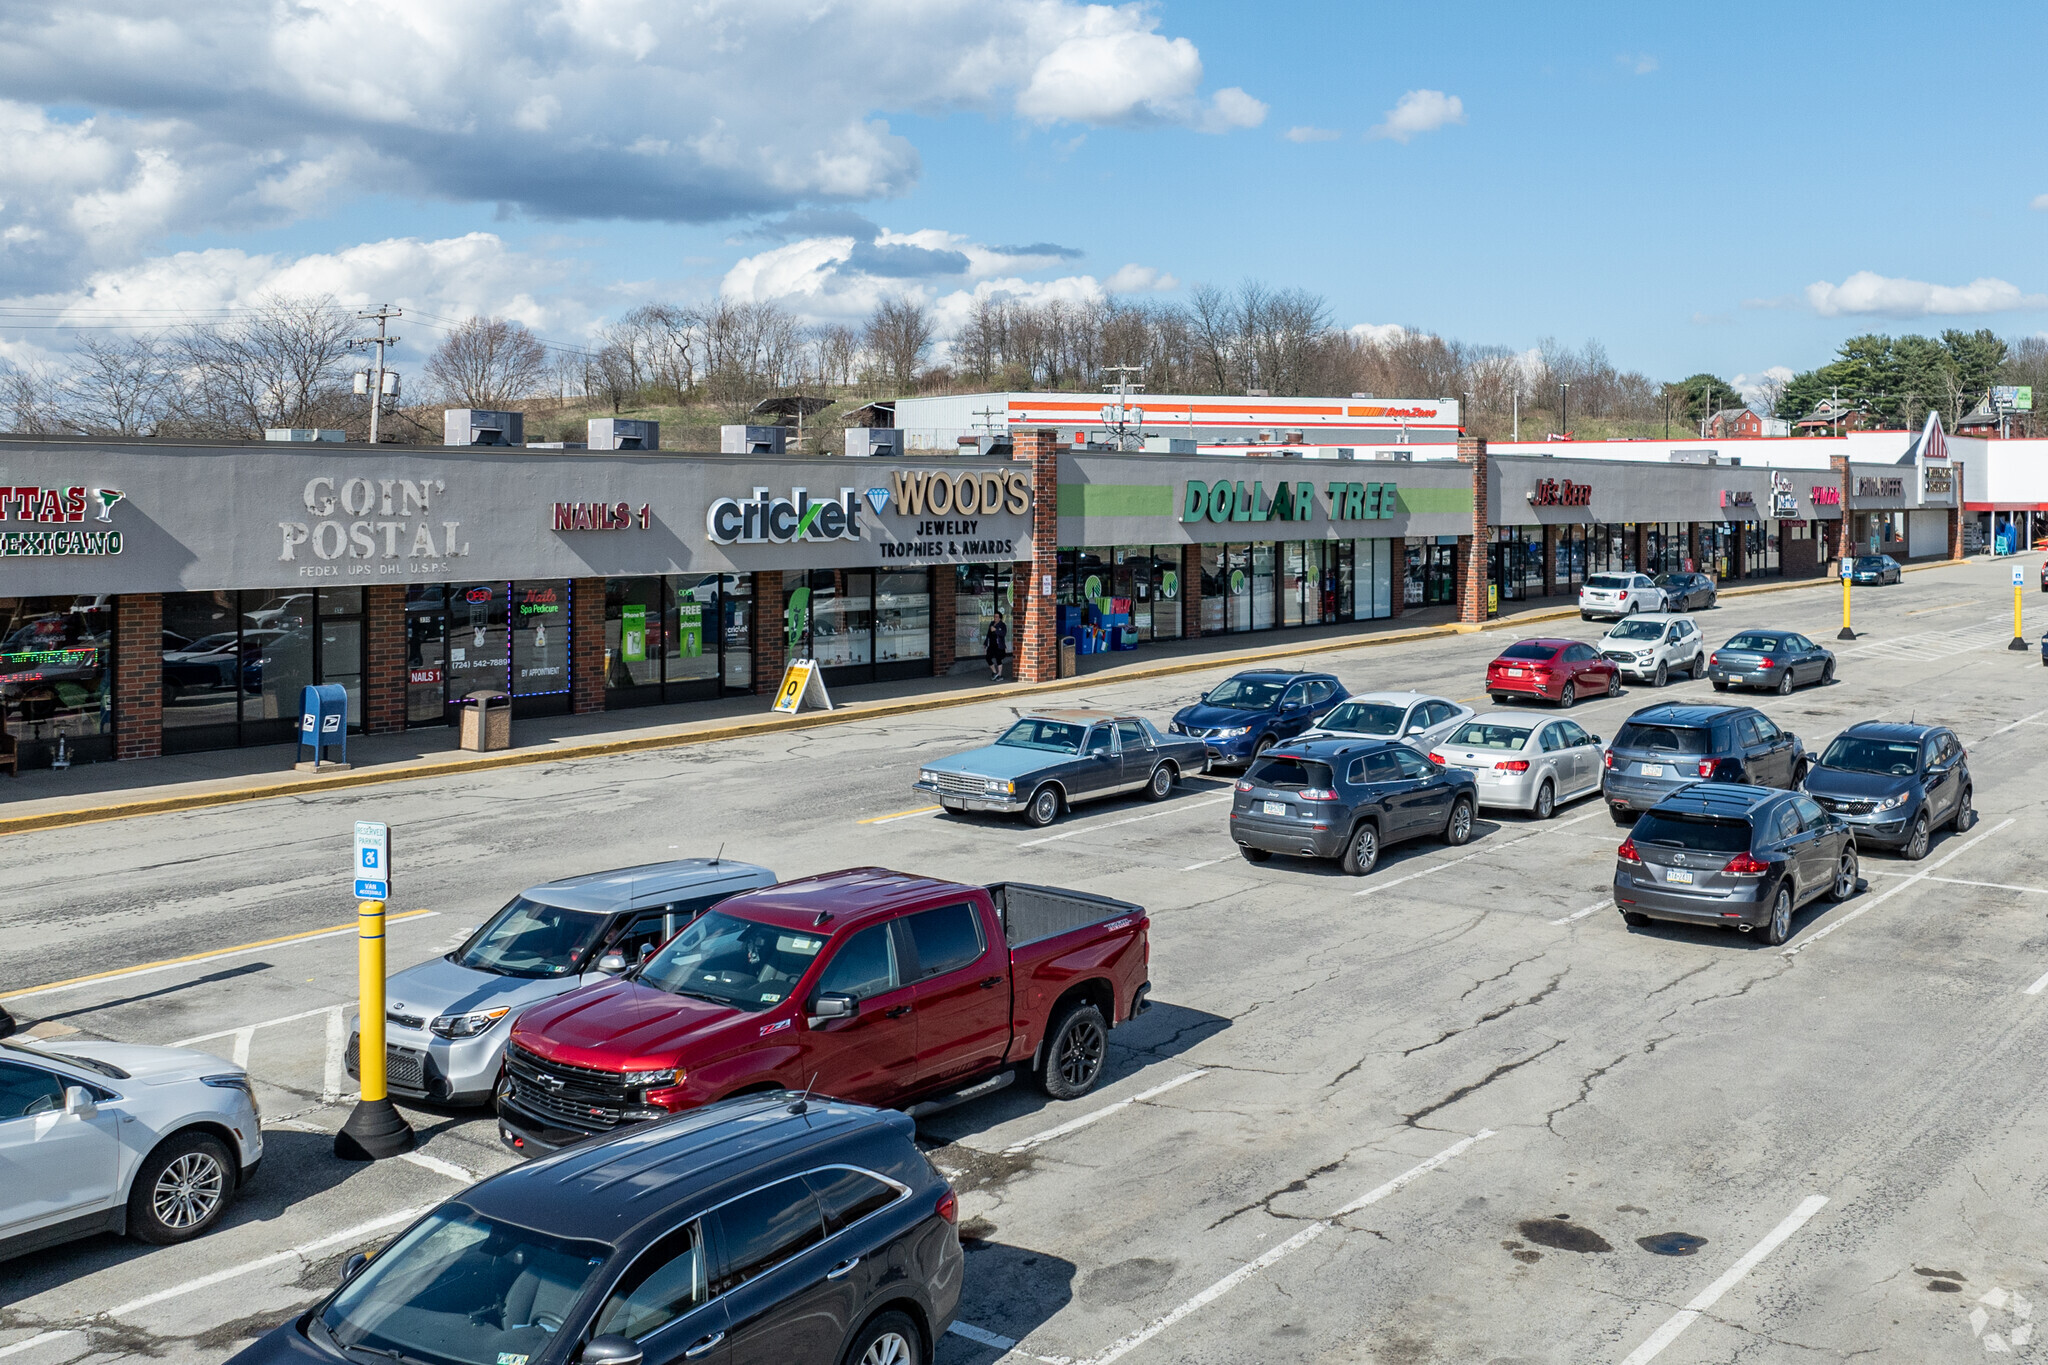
[373, 861]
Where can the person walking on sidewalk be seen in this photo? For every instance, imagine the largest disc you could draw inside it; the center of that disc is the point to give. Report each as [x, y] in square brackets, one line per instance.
[998, 647]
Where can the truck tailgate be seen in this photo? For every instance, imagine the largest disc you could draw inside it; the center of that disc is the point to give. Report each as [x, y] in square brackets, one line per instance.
[1031, 914]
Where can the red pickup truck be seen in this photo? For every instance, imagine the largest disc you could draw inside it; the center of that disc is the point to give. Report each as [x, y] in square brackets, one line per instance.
[866, 985]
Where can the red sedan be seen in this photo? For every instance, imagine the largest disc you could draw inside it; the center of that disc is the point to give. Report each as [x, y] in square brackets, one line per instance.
[1551, 670]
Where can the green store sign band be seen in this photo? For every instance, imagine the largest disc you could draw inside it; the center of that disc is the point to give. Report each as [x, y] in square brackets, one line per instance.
[1232, 500]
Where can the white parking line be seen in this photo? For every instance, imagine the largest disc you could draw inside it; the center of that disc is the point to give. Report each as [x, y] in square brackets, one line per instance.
[981, 1337]
[1191, 867]
[241, 1035]
[2038, 986]
[300, 1252]
[1871, 904]
[1711, 1295]
[440, 1167]
[1963, 881]
[37, 1340]
[1126, 1345]
[1076, 1125]
[2023, 720]
[1131, 820]
[1581, 914]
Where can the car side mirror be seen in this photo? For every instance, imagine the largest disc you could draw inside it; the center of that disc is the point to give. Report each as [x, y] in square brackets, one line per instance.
[1205, 696]
[1595, 740]
[78, 1101]
[612, 963]
[610, 1349]
[353, 1264]
[834, 1005]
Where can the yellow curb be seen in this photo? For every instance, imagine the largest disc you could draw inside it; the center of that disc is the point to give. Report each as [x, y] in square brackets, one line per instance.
[363, 777]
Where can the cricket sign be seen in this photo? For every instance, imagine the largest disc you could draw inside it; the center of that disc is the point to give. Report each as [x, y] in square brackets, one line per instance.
[766, 520]
[802, 681]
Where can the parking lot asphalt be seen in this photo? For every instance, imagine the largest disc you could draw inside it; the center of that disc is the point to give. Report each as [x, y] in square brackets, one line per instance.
[1453, 1111]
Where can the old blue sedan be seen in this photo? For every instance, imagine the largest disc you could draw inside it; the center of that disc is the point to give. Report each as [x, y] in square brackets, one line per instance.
[1049, 760]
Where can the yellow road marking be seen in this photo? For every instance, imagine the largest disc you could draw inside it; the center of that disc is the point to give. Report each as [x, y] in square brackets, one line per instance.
[206, 956]
[878, 819]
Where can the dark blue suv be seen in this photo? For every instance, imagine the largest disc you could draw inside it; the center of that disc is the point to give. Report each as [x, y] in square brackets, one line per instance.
[1348, 799]
[1248, 713]
[768, 1228]
[1894, 784]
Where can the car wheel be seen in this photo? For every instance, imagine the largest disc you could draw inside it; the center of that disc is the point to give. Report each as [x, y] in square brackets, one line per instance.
[1161, 785]
[1614, 683]
[1634, 607]
[1720, 686]
[1845, 877]
[1568, 696]
[1663, 675]
[1253, 855]
[1073, 1053]
[1587, 615]
[1965, 817]
[1635, 919]
[1699, 667]
[1259, 749]
[1785, 683]
[1780, 926]
[1546, 801]
[181, 1189]
[1799, 771]
[1916, 842]
[1044, 807]
[891, 1339]
[1458, 829]
[1498, 698]
[1622, 815]
[1827, 673]
[1362, 854]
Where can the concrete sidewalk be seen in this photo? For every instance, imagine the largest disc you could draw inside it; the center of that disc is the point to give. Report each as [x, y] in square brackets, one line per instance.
[46, 799]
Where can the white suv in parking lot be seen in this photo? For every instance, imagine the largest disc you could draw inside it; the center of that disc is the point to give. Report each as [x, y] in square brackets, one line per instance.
[1619, 594]
[1652, 646]
[117, 1137]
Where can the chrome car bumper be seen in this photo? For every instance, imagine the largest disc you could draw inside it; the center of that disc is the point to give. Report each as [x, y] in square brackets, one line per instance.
[1004, 805]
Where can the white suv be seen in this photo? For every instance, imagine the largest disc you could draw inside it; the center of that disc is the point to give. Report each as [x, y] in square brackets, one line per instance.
[1619, 594]
[117, 1137]
[1653, 646]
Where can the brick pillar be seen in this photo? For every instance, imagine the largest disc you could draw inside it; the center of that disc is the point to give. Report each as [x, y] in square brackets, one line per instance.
[1472, 565]
[1692, 545]
[1397, 595]
[1955, 515]
[586, 645]
[944, 581]
[1550, 539]
[1034, 635]
[1844, 529]
[384, 659]
[1191, 592]
[771, 633]
[1642, 547]
[139, 675]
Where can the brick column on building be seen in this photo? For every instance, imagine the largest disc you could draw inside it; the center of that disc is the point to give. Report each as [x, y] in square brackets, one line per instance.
[1955, 514]
[1692, 546]
[1845, 537]
[1191, 592]
[1397, 593]
[139, 675]
[1642, 547]
[384, 659]
[1550, 543]
[586, 645]
[1034, 635]
[944, 582]
[771, 632]
[1471, 575]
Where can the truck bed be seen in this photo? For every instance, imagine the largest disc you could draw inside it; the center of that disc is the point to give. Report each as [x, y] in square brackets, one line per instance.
[1031, 914]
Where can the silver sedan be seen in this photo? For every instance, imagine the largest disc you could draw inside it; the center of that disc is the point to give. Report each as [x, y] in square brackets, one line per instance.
[1415, 718]
[1521, 762]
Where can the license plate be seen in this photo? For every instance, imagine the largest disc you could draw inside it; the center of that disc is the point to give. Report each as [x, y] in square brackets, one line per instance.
[1273, 807]
[1653, 770]
[1515, 673]
[1679, 875]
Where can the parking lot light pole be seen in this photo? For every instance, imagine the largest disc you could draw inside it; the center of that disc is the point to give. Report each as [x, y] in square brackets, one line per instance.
[376, 1129]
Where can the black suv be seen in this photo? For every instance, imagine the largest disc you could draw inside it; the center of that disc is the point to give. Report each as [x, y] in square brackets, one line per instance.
[1662, 748]
[1347, 799]
[1747, 857]
[1895, 784]
[769, 1228]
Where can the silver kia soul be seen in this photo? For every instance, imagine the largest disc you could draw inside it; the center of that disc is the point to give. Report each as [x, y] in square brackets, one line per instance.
[446, 1020]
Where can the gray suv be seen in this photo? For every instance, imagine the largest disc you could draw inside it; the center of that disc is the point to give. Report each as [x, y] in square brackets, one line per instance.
[446, 1020]
[1662, 748]
[1739, 857]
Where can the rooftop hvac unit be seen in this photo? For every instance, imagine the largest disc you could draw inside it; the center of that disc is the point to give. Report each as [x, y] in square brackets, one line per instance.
[881, 442]
[476, 427]
[1403, 456]
[1169, 445]
[751, 440]
[624, 433]
[303, 434]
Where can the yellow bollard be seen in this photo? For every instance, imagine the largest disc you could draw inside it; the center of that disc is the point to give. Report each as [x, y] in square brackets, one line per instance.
[1846, 633]
[2019, 632]
[375, 1128]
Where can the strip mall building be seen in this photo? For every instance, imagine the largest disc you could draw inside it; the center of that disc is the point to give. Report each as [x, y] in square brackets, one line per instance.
[161, 598]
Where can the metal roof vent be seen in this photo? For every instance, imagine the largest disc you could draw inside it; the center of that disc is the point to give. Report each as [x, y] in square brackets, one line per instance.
[624, 433]
[477, 427]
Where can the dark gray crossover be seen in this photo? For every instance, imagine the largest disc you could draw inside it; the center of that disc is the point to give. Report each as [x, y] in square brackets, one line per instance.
[768, 1228]
[1348, 799]
[1662, 748]
[1895, 784]
[1772, 660]
[1740, 857]
[1048, 760]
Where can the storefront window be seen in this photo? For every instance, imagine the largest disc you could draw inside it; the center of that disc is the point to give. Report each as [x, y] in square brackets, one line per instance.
[1237, 582]
[843, 617]
[341, 647]
[478, 652]
[979, 591]
[1264, 600]
[280, 665]
[56, 677]
[635, 633]
[1372, 584]
[1167, 594]
[1761, 559]
[903, 616]
[202, 682]
[1215, 590]
[1300, 594]
[736, 608]
[426, 654]
[688, 644]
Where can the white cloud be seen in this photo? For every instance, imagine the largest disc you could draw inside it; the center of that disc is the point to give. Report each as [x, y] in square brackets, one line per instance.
[1753, 387]
[1139, 279]
[1305, 133]
[1866, 292]
[2039, 201]
[1109, 65]
[1641, 63]
[1380, 333]
[1419, 111]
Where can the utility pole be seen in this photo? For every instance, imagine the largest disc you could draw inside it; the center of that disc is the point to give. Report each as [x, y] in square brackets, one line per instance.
[384, 313]
[1121, 416]
[1564, 411]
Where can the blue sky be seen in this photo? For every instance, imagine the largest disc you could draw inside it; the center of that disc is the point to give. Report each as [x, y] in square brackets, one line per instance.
[1730, 189]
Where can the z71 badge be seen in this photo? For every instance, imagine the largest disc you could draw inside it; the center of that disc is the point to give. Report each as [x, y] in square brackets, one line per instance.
[776, 1027]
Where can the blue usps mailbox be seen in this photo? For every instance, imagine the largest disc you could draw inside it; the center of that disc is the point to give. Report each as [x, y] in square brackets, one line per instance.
[323, 723]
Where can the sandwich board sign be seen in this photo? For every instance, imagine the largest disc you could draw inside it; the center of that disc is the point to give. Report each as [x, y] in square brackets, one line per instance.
[373, 861]
[803, 681]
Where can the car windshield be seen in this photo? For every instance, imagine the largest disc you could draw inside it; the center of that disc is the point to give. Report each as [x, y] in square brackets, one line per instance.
[1870, 562]
[1692, 832]
[1365, 718]
[1672, 580]
[1053, 736]
[1529, 649]
[461, 1289]
[1490, 735]
[1637, 630]
[1661, 739]
[1762, 644]
[528, 938]
[1283, 771]
[1606, 580]
[733, 961]
[1246, 694]
[1862, 754]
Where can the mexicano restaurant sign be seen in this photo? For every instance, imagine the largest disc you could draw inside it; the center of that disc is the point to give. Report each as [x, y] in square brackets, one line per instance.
[51, 511]
[1228, 500]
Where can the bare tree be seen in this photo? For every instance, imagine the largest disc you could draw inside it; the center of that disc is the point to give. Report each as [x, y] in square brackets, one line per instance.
[899, 335]
[29, 397]
[283, 365]
[488, 363]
